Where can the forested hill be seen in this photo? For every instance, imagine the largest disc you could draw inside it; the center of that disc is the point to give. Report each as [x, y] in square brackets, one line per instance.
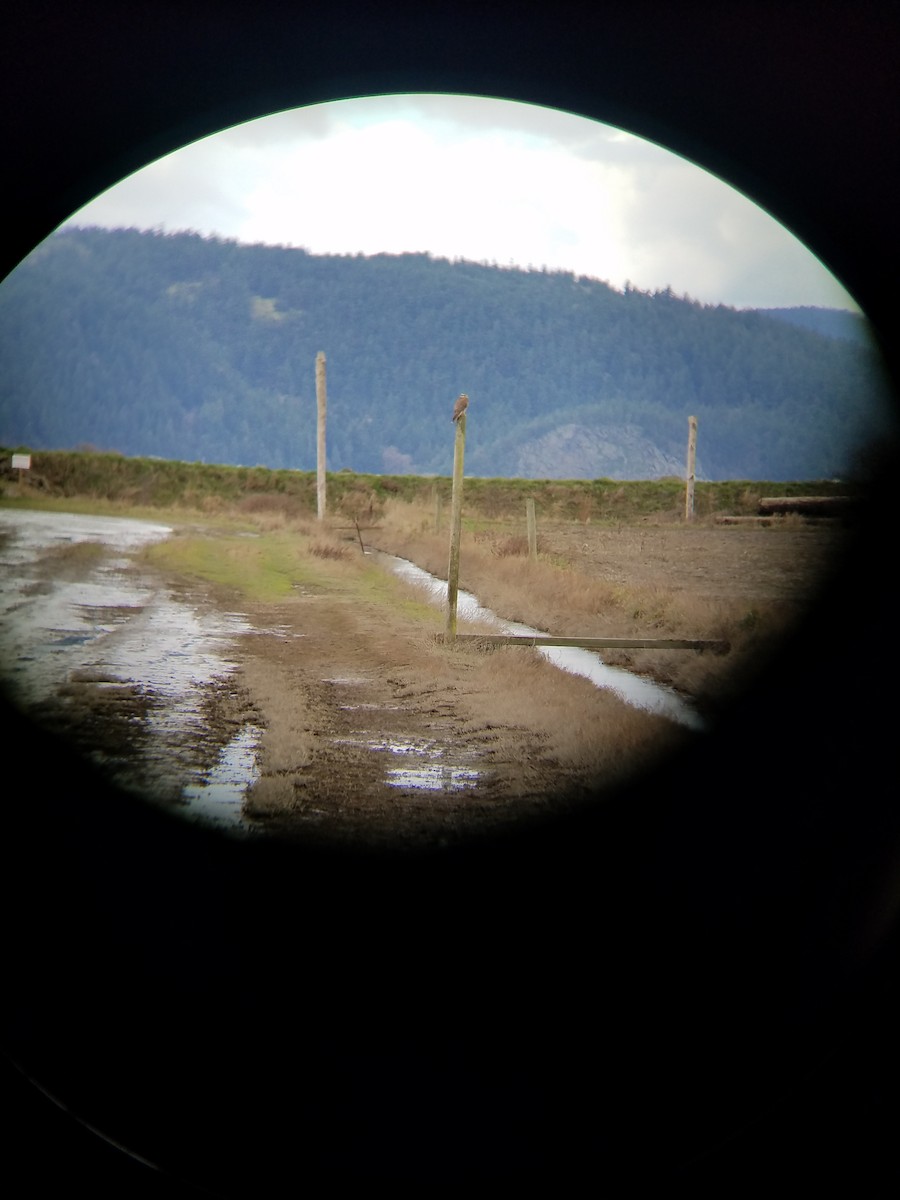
[198, 348]
[833, 322]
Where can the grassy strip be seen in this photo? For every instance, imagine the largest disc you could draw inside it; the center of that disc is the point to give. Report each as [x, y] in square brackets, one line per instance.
[176, 515]
[262, 572]
[274, 565]
[145, 484]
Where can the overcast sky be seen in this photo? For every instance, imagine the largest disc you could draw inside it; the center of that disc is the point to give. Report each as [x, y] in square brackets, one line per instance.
[466, 177]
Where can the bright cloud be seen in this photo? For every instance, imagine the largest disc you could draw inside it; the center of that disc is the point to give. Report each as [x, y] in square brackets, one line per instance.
[479, 179]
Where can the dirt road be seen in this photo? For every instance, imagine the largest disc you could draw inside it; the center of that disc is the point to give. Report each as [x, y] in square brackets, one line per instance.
[376, 738]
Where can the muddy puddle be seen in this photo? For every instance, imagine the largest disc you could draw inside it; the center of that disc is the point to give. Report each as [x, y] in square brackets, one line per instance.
[410, 764]
[95, 650]
[218, 801]
[424, 767]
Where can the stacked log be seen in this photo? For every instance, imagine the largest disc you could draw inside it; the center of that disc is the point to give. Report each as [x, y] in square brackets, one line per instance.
[808, 506]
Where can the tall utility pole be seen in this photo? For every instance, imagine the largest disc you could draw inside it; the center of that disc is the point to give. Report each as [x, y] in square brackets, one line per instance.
[691, 460]
[459, 451]
[321, 405]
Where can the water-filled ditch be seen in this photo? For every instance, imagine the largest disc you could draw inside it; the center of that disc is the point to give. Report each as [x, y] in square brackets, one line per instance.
[631, 688]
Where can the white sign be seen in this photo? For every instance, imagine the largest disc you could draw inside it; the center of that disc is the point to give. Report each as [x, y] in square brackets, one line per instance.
[21, 462]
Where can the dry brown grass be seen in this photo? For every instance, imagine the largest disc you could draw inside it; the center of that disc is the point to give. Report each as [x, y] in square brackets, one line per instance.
[545, 594]
[591, 733]
[511, 545]
[329, 549]
[565, 598]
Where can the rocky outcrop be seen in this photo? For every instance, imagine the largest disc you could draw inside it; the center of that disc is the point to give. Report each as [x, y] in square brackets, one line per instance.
[583, 452]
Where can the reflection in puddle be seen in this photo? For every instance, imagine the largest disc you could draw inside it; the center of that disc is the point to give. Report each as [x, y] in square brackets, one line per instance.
[219, 800]
[71, 639]
[431, 775]
[78, 628]
[394, 745]
[369, 707]
[432, 778]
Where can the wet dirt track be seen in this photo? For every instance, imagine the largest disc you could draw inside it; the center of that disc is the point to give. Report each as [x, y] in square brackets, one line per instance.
[316, 719]
[376, 739]
[129, 668]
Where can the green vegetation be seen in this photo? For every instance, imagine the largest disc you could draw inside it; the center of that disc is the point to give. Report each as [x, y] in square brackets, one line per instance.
[270, 565]
[267, 569]
[198, 348]
[89, 481]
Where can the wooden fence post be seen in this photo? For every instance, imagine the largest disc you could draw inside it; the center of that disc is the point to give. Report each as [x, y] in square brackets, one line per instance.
[691, 460]
[532, 529]
[321, 406]
[459, 450]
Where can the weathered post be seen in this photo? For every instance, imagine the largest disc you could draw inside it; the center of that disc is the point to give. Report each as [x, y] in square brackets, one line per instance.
[691, 460]
[532, 529]
[459, 450]
[321, 406]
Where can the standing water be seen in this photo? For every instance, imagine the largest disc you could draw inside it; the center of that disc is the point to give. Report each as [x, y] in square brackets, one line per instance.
[631, 688]
[79, 627]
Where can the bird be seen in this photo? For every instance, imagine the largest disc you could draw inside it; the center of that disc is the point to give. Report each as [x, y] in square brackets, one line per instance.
[460, 406]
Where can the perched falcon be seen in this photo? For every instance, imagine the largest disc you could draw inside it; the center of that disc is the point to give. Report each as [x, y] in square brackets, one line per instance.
[460, 406]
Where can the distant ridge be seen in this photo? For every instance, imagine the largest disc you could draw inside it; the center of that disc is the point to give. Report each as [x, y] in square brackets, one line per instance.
[830, 322]
[203, 349]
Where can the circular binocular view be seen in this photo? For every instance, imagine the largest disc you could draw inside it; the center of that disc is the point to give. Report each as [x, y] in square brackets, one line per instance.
[390, 470]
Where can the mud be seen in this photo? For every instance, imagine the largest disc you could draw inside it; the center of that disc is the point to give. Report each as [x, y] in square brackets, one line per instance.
[374, 739]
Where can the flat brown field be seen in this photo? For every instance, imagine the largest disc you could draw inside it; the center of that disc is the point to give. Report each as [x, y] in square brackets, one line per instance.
[711, 562]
